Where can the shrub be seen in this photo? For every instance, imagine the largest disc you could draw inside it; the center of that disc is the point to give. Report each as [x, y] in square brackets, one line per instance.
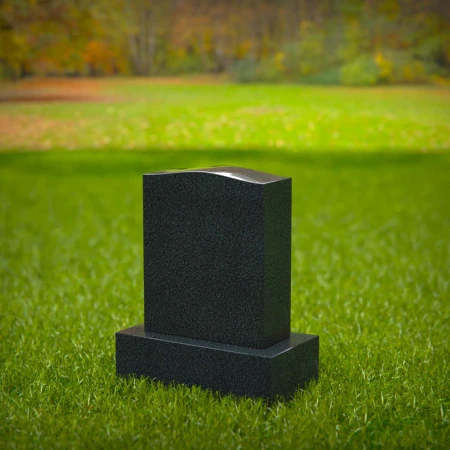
[248, 71]
[406, 68]
[244, 71]
[268, 70]
[330, 77]
[186, 64]
[362, 71]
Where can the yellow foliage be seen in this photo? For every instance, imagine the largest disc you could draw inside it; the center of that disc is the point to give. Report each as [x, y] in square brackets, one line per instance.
[305, 27]
[180, 52]
[390, 8]
[243, 48]
[208, 41]
[413, 72]
[265, 45]
[307, 69]
[440, 80]
[384, 65]
[279, 61]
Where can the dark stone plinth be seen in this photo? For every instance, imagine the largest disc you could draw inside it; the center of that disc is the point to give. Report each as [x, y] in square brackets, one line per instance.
[274, 371]
[217, 255]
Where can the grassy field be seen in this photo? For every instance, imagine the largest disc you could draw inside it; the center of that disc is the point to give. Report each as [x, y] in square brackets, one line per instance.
[124, 115]
[371, 241]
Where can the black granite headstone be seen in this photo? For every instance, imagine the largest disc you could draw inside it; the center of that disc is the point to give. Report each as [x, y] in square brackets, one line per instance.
[217, 270]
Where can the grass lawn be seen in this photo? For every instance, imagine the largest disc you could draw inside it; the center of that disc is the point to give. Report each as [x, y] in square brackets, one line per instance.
[144, 115]
[371, 241]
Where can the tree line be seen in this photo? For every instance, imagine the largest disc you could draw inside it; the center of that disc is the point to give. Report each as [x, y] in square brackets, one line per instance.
[354, 42]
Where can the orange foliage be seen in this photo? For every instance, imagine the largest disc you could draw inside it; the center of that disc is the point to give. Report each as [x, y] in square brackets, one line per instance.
[103, 58]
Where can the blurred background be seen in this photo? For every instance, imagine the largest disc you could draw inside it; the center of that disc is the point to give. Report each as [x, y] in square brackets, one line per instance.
[210, 75]
[351, 42]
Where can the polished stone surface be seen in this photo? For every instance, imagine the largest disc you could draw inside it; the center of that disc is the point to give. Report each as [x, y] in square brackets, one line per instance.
[217, 272]
[217, 255]
[278, 370]
[238, 173]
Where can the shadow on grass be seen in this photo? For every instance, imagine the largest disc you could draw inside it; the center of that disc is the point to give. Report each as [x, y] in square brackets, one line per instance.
[117, 162]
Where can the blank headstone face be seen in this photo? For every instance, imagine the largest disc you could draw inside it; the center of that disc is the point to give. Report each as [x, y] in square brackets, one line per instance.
[217, 255]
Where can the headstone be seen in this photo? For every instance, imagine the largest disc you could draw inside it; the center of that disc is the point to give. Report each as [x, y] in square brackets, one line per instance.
[217, 275]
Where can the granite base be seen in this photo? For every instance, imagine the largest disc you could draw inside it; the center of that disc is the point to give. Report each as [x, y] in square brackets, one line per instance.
[278, 370]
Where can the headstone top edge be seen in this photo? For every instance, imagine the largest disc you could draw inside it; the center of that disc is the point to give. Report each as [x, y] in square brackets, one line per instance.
[234, 172]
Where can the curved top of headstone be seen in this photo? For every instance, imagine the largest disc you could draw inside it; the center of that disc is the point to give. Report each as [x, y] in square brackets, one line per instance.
[237, 173]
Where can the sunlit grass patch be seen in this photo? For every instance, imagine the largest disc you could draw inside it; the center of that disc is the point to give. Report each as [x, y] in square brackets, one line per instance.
[142, 115]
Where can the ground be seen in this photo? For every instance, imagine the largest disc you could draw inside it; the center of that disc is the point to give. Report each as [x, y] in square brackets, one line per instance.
[370, 265]
[120, 114]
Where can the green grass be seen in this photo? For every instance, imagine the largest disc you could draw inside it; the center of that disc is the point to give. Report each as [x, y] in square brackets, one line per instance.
[256, 117]
[370, 276]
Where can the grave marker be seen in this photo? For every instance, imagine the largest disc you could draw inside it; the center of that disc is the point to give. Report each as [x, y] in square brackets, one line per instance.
[217, 269]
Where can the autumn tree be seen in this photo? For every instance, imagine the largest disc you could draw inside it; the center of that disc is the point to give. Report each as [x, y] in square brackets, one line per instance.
[350, 41]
